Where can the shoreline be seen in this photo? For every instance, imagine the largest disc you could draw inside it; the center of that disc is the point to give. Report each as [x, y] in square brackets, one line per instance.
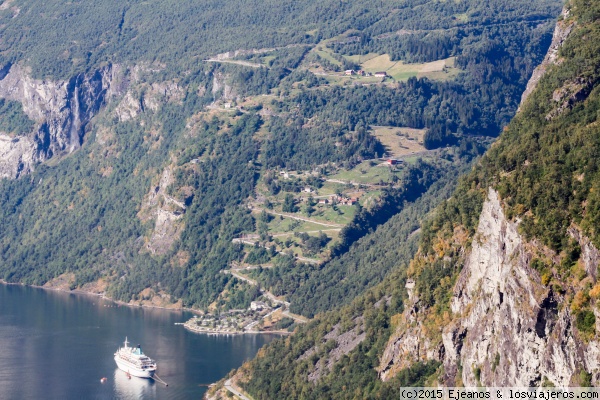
[122, 303]
[101, 296]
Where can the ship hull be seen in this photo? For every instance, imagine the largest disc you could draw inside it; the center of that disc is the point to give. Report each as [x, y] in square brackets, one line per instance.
[134, 371]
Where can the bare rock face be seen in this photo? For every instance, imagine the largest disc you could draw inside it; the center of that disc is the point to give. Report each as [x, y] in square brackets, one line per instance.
[406, 346]
[344, 343]
[16, 155]
[129, 108]
[590, 255]
[134, 102]
[568, 95]
[61, 109]
[514, 332]
[222, 87]
[508, 328]
[561, 32]
[163, 92]
[166, 212]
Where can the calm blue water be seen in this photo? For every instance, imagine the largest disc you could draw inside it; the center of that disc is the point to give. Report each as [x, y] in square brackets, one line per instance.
[56, 345]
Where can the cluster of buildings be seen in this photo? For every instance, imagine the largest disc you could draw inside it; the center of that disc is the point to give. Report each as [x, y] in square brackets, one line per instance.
[335, 199]
[259, 306]
[379, 74]
[231, 322]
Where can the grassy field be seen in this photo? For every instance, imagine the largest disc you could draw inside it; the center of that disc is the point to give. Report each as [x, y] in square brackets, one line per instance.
[252, 101]
[398, 70]
[325, 213]
[280, 225]
[354, 79]
[432, 71]
[330, 188]
[367, 173]
[266, 60]
[292, 225]
[325, 53]
[370, 198]
[399, 142]
[412, 159]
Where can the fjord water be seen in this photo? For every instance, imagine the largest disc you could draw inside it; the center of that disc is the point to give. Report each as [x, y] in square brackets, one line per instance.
[57, 345]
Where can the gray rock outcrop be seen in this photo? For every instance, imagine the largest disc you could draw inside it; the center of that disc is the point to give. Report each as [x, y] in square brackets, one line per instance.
[16, 155]
[166, 212]
[508, 328]
[561, 32]
[513, 331]
[61, 110]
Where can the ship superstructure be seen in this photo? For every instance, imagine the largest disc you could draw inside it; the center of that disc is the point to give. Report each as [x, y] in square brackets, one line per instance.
[133, 361]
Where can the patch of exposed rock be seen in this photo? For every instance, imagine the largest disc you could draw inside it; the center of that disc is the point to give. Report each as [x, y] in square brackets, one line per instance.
[507, 315]
[97, 287]
[128, 108]
[17, 155]
[344, 344]
[222, 87]
[166, 212]
[561, 32]
[508, 329]
[8, 5]
[243, 52]
[148, 97]
[61, 109]
[163, 92]
[407, 345]
[568, 95]
[590, 255]
[150, 298]
[61, 282]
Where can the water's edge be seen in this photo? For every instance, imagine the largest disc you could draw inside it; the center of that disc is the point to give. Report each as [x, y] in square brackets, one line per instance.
[59, 343]
[101, 296]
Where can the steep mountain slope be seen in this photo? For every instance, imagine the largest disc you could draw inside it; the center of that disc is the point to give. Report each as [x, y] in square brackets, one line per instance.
[135, 150]
[503, 290]
[531, 267]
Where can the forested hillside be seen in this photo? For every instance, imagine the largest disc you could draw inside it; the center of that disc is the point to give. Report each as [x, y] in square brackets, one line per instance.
[147, 152]
[503, 290]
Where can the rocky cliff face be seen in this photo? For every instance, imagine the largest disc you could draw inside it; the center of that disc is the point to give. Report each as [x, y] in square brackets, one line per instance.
[17, 155]
[61, 109]
[562, 30]
[166, 213]
[508, 328]
[520, 314]
[512, 329]
[146, 96]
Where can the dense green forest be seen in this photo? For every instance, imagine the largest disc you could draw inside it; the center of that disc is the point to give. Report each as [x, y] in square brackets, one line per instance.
[544, 168]
[469, 105]
[181, 32]
[12, 118]
[175, 32]
[80, 214]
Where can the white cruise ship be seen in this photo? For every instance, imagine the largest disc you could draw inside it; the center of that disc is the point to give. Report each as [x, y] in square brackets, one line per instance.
[133, 361]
